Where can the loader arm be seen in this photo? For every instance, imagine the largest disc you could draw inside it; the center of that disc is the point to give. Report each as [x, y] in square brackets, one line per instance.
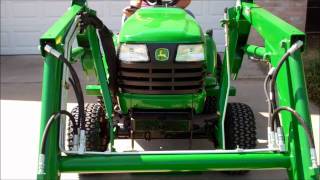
[278, 36]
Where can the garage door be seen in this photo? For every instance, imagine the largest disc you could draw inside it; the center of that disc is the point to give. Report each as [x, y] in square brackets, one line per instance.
[23, 21]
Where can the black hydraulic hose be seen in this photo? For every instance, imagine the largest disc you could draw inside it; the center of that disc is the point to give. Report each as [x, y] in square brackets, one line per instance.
[74, 87]
[49, 123]
[78, 90]
[105, 36]
[76, 83]
[273, 91]
[300, 120]
[77, 94]
[290, 51]
[275, 115]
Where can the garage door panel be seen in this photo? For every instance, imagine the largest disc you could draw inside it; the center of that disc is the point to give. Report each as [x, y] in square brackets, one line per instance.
[55, 8]
[100, 7]
[217, 7]
[4, 24]
[114, 23]
[4, 39]
[27, 39]
[218, 36]
[28, 9]
[3, 9]
[26, 24]
[24, 21]
[211, 23]
[197, 8]
[49, 22]
[117, 7]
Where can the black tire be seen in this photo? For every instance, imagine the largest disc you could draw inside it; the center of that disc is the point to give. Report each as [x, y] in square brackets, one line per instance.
[97, 130]
[240, 129]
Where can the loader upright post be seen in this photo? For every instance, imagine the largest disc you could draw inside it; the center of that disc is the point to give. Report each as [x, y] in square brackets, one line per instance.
[161, 78]
[51, 96]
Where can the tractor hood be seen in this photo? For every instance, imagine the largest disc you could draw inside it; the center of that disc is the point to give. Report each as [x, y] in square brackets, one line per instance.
[161, 25]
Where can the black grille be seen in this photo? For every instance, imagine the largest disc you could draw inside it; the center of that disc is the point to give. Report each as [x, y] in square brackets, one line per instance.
[177, 78]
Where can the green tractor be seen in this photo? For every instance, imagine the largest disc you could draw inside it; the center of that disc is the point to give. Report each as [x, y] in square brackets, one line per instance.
[162, 78]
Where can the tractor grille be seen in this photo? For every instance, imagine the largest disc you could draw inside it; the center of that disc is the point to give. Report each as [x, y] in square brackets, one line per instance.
[156, 77]
[150, 78]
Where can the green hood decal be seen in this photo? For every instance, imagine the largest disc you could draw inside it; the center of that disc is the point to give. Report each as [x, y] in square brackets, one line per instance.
[161, 25]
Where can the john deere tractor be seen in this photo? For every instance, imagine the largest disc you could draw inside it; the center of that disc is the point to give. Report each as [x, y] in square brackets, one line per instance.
[161, 77]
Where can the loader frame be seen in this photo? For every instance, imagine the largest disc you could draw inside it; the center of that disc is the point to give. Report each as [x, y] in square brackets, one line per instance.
[278, 36]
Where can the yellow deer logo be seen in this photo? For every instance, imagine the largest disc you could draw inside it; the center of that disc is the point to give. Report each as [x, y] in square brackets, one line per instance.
[162, 54]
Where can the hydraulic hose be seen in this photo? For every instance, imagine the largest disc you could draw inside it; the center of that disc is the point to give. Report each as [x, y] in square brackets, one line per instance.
[290, 51]
[300, 120]
[271, 134]
[75, 83]
[78, 91]
[265, 88]
[55, 116]
[48, 125]
[305, 127]
[273, 73]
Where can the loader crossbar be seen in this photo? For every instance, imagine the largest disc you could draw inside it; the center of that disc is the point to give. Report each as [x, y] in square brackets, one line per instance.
[173, 162]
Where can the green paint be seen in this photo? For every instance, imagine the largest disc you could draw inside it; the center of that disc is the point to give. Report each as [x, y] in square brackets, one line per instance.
[165, 25]
[77, 53]
[93, 90]
[211, 55]
[173, 162]
[102, 77]
[290, 84]
[51, 90]
[255, 51]
[173, 25]
[51, 104]
[141, 101]
[55, 34]
[228, 61]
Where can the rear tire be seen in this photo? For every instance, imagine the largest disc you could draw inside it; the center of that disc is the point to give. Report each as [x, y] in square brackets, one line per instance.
[240, 129]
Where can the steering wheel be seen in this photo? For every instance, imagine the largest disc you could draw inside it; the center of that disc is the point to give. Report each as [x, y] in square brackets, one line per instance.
[161, 2]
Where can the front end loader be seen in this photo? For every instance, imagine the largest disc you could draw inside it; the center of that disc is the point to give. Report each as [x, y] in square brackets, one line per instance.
[161, 77]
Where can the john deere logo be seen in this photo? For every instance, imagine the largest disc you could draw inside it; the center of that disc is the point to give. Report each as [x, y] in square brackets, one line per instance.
[162, 54]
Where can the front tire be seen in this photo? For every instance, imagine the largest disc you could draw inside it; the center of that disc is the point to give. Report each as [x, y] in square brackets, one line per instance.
[97, 129]
[240, 129]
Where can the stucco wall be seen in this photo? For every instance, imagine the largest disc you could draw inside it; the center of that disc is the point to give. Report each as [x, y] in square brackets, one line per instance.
[292, 11]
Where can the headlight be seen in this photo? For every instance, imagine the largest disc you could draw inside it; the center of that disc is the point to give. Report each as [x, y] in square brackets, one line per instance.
[133, 53]
[190, 53]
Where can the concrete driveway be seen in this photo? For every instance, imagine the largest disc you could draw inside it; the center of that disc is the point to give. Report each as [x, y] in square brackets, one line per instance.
[20, 116]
